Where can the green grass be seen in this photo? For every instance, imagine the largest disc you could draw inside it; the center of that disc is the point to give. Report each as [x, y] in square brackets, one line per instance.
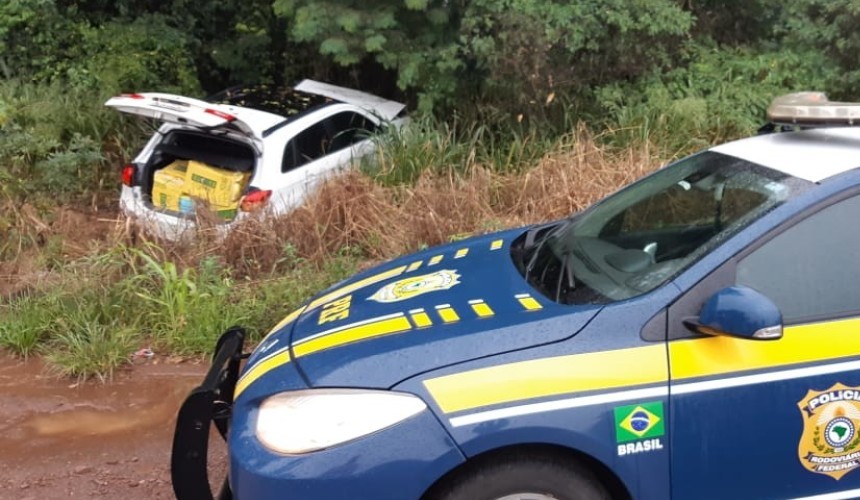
[427, 144]
[115, 302]
[26, 322]
[88, 348]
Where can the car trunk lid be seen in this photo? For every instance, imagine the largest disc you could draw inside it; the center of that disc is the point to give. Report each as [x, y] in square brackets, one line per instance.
[191, 112]
[383, 108]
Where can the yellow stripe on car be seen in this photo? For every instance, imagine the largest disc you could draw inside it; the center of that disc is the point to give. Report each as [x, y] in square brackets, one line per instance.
[420, 318]
[371, 280]
[528, 302]
[415, 265]
[461, 253]
[639, 366]
[385, 325]
[496, 244]
[799, 344]
[370, 330]
[447, 313]
[284, 322]
[435, 260]
[279, 358]
[481, 308]
[549, 377]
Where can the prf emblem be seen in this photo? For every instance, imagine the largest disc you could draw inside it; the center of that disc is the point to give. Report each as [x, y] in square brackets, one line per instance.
[337, 310]
[416, 285]
[830, 443]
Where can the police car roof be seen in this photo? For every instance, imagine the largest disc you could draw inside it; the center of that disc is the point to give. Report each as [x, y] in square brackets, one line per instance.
[813, 154]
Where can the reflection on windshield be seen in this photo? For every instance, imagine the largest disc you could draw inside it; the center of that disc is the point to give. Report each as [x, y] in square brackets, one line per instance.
[642, 236]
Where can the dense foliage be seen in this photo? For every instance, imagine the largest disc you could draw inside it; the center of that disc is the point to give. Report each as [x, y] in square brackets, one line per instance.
[478, 57]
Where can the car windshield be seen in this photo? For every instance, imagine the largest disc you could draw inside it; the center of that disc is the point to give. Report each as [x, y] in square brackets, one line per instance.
[645, 234]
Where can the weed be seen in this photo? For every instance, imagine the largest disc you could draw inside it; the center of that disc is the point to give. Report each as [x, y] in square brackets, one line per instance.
[87, 348]
[27, 323]
[429, 145]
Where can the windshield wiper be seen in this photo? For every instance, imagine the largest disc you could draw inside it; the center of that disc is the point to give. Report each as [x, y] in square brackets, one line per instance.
[566, 273]
[539, 245]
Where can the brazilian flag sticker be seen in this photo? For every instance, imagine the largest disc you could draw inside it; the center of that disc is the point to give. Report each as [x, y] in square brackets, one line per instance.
[640, 421]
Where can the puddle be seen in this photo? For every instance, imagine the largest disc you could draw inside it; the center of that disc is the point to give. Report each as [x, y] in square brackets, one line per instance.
[41, 413]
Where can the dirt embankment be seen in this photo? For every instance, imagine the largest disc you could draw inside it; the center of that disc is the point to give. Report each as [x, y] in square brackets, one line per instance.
[42, 241]
[60, 439]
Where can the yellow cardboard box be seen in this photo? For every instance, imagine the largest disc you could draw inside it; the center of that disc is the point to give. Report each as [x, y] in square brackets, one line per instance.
[226, 212]
[167, 186]
[166, 197]
[214, 185]
[176, 169]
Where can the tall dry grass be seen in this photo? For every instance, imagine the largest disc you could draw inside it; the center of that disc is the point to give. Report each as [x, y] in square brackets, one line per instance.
[356, 215]
[379, 222]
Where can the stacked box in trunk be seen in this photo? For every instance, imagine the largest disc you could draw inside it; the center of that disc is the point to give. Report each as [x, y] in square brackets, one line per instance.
[183, 186]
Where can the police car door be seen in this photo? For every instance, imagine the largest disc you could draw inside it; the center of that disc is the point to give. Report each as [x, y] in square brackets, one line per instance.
[775, 418]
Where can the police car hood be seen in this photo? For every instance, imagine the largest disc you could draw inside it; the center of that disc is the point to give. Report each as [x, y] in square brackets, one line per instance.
[443, 306]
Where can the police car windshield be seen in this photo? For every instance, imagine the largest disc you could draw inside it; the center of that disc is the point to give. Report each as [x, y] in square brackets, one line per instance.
[640, 237]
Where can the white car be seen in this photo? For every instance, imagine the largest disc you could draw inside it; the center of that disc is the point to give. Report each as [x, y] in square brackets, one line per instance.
[261, 147]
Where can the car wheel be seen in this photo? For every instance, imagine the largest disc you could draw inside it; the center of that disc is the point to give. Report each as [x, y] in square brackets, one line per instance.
[523, 478]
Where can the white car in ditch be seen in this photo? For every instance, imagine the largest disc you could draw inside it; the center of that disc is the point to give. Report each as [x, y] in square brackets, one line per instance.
[242, 150]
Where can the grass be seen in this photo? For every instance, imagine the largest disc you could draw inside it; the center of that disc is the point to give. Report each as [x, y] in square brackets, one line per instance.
[123, 297]
[430, 145]
[95, 307]
[90, 349]
[26, 323]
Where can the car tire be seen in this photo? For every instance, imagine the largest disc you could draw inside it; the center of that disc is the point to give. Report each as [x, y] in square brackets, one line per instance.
[523, 478]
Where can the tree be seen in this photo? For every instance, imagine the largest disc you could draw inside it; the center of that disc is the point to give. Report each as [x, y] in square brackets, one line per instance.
[501, 50]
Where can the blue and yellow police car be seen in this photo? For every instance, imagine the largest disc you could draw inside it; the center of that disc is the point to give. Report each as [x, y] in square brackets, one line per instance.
[695, 335]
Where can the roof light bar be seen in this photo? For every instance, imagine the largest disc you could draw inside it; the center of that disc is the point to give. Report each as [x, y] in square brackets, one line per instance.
[812, 109]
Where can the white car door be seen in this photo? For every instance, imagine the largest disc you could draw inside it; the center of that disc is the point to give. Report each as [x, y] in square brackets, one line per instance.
[320, 150]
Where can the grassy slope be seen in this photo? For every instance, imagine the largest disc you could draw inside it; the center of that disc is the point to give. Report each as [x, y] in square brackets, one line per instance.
[128, 292]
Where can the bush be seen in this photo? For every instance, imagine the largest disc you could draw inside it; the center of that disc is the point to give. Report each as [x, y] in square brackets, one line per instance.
[720, 94]
[58, 142]
[143, 55]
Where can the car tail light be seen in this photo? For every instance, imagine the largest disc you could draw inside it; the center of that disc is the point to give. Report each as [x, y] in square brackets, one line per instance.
[255, 199]
[128, 174]
[220, 114]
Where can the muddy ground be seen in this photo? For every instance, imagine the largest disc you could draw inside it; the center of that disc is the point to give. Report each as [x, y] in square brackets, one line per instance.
[60, 439]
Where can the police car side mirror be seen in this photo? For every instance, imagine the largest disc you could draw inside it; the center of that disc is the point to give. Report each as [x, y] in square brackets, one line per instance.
[738, 311]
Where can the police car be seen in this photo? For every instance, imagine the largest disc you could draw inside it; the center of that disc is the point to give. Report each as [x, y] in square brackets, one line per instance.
[694, 335]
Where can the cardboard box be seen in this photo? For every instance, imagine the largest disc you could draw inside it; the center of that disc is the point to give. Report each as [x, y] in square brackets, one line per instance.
[214, 185]
[176, 169]
[167, 186]
[226, 212]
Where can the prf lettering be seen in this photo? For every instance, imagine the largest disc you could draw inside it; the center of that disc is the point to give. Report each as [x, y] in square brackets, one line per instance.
[333, 311]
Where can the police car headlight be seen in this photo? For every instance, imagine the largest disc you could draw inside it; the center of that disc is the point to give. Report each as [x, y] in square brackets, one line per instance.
[310, 420]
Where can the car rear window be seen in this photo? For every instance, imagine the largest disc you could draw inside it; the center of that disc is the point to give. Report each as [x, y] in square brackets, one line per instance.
[283, 101]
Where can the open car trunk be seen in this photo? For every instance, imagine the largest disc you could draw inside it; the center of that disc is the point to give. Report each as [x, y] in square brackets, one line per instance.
[190, 169]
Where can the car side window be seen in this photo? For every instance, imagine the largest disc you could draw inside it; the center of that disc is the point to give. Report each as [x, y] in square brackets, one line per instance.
[347, 128]
[810, 270]
[306, 146]
[332, 134]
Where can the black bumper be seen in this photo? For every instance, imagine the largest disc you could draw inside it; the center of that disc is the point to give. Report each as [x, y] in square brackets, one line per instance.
[210, 403]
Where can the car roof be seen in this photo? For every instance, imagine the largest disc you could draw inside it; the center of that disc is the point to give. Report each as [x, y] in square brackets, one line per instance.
[813, 154]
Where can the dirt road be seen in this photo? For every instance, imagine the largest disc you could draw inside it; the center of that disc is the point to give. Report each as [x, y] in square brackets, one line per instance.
[59, 439]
